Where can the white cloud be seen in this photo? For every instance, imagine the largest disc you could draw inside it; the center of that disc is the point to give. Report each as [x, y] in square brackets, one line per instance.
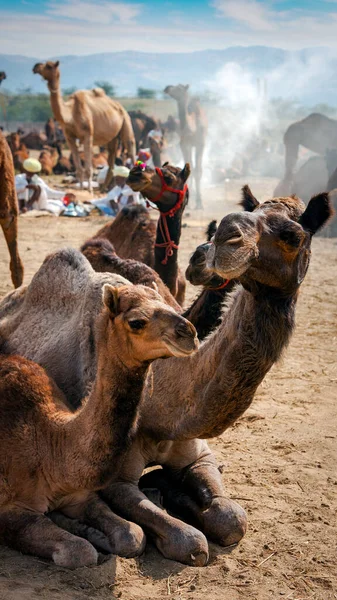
[94, 12]
[249, 12]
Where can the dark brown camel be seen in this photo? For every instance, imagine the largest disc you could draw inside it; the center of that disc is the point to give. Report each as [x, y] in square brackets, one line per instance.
[317, 133]
[193, 131]
[142, 124]
[9, 210]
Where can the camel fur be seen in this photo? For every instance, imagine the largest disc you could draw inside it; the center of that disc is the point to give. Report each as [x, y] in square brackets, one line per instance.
[91, 117]
[9, 211]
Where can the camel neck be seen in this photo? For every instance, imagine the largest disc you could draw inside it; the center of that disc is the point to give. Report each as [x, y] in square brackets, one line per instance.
[165, 257]
[218, 383]
[56, 102]
[182, 112]
[106, 424]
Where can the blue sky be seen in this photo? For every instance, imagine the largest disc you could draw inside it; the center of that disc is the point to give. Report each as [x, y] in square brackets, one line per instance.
[41, 28]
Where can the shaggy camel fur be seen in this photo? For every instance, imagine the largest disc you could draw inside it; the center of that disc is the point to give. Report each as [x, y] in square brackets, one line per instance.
[91, 117]
[103, 258]
[53, 458]
[268, 250]
[193, 131]
[167, 189]
[9, 210]
[316, 132]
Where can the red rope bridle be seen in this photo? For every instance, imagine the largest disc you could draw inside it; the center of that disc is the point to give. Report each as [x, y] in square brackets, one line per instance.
[168, 244]
[220, 287]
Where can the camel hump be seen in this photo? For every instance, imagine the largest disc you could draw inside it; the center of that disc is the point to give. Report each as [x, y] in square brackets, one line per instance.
[98, 92]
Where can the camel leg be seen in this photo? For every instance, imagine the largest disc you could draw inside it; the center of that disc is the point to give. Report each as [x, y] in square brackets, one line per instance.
[112, 151]
[33, 533]
[199, 151]
[76, 158]
[174, 539]
[222, 520]
[87, 145]
[10, 229]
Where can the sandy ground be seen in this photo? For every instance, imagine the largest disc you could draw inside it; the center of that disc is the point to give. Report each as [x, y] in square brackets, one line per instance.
[279, 460]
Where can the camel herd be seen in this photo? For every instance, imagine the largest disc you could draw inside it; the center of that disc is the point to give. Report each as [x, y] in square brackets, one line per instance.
[86, 401]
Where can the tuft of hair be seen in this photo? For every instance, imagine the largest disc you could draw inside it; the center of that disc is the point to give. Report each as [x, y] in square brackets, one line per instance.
[211, 229]
[248, 202]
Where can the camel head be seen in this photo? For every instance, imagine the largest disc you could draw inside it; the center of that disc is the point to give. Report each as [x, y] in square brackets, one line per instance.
[150, 183]
[145, 327]
[2, 76]
[49, 71]
[270, 243]
[178, 92]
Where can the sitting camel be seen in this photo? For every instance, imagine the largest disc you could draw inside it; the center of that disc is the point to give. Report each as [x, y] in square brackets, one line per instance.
[9, 210]
[54, 458]
[316, 132]
[268, 250]
[18, 149]
[91, 117]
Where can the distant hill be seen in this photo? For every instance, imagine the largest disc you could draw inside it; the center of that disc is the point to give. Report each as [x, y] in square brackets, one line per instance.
[308, 75]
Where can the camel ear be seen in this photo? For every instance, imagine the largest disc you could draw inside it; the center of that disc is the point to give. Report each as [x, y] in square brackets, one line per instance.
[249, 202]
[111, 299]
[57, 63]
[211, 229]
[155, 287]
[187, 87]
[317, 213]
[185, 173]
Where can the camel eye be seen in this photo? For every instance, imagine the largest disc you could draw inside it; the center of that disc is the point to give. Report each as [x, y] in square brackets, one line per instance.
[137, 324]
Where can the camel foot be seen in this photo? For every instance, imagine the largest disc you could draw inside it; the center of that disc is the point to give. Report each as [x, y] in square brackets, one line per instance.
[75, 554]
[127, 541]
[224, 522]
[184, 544]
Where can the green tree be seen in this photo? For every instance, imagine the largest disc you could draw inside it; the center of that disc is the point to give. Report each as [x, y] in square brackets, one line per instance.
[107, 87]
[146, 93]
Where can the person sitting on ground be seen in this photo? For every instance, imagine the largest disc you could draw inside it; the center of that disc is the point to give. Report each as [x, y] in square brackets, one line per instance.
[120, 195]
[34, 193]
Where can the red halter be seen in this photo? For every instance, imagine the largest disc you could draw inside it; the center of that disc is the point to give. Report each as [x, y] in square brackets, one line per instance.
[220, 287]
[169, 244]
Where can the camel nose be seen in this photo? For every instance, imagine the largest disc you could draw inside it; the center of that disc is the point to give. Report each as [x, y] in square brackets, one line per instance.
[185, 329]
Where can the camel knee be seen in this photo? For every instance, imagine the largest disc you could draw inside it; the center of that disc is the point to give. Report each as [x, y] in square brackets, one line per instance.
[224, 522]
[127, 540]
[74, 554]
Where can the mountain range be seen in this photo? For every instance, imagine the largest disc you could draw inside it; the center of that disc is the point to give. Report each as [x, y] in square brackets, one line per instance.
[309, 75]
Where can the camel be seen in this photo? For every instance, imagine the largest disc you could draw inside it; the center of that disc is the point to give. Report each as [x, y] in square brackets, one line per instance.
[167, 189]
[48, 158]
[34, 140]
[54, 458]
[316, 132]
[103, 258]
[267, 249]
[193, 131]
[2, 76]
[18, 149]
[91, 117]
[9, 210]
[142, 124]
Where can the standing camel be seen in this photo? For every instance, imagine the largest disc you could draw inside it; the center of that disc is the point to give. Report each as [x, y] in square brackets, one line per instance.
[317, 133]
[9, 210]
[188, 400]
[53, 458]
[193, 131]
[91, 117]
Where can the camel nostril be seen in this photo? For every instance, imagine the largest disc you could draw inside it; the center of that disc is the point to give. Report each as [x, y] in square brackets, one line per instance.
[185, 330]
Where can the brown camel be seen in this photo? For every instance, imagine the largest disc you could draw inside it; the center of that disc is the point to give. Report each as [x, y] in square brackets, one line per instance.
[103, 258]
[91, 117]
[54, 458]
[18, 149]
[193, 131]
[142, 124]
[2, 76]
[268, 250]
[316, 132]
[9, 210]
[34, 140]
[167, 189]
[48, 158]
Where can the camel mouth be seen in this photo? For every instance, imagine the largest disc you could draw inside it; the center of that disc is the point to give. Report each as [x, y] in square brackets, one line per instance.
[178, 350]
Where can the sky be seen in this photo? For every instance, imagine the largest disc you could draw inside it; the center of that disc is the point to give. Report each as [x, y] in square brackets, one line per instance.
[40, 28]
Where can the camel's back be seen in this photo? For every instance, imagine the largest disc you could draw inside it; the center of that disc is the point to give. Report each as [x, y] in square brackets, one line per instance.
[316, 132]
[107, 115]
